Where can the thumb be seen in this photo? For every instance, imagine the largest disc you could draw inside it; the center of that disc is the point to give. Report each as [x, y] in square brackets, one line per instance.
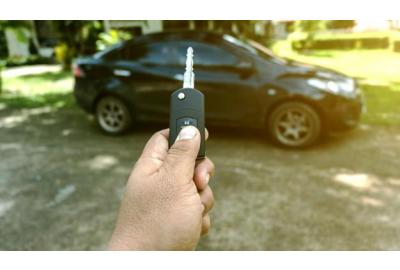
[181, 157]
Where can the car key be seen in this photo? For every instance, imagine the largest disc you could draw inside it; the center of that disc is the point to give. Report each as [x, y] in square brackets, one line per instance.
[187, 107]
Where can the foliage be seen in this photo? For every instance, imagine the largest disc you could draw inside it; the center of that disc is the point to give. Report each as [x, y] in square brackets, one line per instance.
[79, 38]
[31, 91]
[309, 28]
[20, 28]
[64, 54]
[341, 24]
[345, 40]
[2, 65]
[15, 24]
[342, 44]
[112, 37]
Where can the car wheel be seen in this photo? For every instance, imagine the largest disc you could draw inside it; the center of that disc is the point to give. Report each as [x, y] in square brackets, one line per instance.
[294, 124]
[112, 115]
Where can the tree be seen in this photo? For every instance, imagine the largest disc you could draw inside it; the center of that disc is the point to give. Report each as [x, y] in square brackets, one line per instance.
[18, 27]
[2, 64]
[79, 38]
[341, 24]
[310, 27]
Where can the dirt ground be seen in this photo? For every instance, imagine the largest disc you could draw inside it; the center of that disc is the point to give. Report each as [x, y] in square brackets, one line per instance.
[61, 181]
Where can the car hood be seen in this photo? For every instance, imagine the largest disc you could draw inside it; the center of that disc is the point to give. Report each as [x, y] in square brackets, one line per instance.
[299, 69]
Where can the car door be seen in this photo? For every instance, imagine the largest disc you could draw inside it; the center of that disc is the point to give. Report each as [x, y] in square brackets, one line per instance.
[227, 80]
[150, 77]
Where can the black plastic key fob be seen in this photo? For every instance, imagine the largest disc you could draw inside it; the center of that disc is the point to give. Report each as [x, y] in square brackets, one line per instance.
[187, 109]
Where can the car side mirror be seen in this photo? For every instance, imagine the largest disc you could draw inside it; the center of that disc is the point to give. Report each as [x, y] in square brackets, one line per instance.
[245, 69]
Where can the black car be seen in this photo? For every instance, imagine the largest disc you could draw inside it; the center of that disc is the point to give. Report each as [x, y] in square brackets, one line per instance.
[243, 82]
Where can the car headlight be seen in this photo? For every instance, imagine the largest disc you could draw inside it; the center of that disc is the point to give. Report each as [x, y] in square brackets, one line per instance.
[329, 86]
[346, 87]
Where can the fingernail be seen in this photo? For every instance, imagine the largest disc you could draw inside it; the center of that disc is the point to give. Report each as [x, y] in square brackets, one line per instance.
[207, 178]
[187, 133]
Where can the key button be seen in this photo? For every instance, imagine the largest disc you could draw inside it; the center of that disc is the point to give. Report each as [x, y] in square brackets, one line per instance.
[181, 96]
[186, 121]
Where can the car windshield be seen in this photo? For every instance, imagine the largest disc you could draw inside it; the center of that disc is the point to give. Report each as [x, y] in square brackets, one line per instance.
[255, 48]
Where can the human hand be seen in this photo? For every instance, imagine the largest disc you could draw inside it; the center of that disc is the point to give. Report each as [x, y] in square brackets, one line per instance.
[167, 197]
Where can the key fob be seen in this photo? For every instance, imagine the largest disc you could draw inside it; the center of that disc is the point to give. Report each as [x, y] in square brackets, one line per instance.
[187, 109]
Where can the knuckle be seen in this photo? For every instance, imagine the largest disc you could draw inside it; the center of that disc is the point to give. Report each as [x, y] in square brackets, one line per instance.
[211, 200]
[207, 197]
[206, 225]
[212, 167]
[208, 166]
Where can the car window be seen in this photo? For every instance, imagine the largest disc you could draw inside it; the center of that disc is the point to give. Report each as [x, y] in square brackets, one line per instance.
[205, 54]
[174, 53]
[255, 48]
[151, 54]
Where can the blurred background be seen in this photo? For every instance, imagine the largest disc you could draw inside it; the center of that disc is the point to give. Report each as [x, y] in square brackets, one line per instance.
[61, 179]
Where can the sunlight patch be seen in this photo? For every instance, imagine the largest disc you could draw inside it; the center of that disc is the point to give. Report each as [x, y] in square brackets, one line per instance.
[10, 146]
[12, 121]
[5, 207]
[359, 181]
[63, 194]
[394, 181]
[48, 122]
[30, 70]
[365, 127]
[66, 132]
[102, 162]
[371, 201]
[37, 111]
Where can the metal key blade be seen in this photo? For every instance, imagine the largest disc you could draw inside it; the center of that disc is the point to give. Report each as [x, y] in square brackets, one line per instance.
[188, 77]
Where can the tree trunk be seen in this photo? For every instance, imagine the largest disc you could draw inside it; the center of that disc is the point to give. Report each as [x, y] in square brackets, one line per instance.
[34, 37]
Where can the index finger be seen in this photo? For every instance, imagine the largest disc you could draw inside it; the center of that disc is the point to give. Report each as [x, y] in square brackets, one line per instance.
[157, 146]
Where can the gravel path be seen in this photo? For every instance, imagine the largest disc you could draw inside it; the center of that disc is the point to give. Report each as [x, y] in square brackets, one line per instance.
[61, 181]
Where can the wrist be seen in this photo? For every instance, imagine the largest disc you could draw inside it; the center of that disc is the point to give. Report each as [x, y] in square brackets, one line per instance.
[122, 242]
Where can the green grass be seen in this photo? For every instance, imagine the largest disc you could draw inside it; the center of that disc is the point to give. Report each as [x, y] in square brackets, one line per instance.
[378, 72]
[383, 106]
[352, 35]
[375, 65]
[31, 91]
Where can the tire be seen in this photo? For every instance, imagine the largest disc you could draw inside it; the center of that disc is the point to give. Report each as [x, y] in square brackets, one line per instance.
[112, 115]
[294, 124]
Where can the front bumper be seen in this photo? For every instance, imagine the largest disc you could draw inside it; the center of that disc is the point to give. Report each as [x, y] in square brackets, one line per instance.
[343, 113]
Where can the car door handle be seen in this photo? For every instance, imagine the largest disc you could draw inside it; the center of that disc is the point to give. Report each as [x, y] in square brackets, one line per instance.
[122, 72]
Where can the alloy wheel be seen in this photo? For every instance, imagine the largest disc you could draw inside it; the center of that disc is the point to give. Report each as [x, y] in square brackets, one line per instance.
[112, 115]
[295, 124]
